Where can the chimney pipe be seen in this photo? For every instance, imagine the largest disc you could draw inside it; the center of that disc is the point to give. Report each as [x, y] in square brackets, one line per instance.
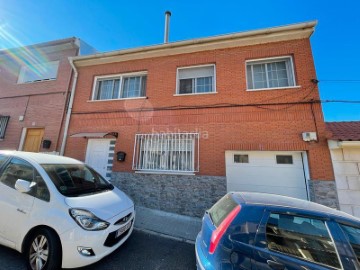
[167, 24]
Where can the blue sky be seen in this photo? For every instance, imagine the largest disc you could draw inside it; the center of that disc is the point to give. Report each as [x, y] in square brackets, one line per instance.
[112, 25]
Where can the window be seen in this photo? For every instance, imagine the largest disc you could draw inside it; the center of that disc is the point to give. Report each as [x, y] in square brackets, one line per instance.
[220, 210]
[272, 73]
[3, 124]
[20, 169]
[2, 160]
[195, 80]
[305, 238]
[173, 152]
[76, 180]
[122, 86]
[353, 235]
[241, 158]
[39, 72]
[284, 159]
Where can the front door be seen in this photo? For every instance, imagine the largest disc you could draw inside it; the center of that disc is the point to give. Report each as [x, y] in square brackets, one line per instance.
[97, 155]
[33, 139]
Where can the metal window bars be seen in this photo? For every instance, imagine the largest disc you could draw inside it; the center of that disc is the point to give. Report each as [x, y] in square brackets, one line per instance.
[170, 152]
[3, 123]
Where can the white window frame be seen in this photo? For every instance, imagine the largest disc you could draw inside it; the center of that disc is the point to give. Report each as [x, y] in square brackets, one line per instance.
[157, 139]
[271, 60]
[24, 68]
[115, 77]
[194, 67]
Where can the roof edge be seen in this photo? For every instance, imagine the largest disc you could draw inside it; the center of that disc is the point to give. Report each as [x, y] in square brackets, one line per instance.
[307, 27]
[71, 40]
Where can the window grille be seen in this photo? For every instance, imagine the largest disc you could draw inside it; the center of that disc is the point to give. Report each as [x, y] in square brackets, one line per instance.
[3, 123]
[172, 152]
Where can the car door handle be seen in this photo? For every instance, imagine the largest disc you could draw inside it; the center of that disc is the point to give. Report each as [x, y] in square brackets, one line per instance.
[275, 265]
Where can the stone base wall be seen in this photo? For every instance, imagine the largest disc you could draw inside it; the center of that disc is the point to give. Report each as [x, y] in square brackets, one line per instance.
[188, 195]
[324, 192]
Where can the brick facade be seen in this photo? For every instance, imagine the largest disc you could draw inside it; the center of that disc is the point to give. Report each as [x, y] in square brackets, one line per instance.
[244, 127]
[232, 118]
[42, 104]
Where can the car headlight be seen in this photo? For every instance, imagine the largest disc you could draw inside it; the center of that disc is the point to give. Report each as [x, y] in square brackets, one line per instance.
[87, 220]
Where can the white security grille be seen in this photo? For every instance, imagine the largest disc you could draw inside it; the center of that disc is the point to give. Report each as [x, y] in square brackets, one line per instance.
[3, 123]
[173, 152]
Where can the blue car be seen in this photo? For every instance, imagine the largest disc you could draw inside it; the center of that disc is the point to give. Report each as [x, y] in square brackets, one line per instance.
[263, 232]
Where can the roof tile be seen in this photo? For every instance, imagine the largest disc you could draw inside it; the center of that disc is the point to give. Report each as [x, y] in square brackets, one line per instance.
[344, 131]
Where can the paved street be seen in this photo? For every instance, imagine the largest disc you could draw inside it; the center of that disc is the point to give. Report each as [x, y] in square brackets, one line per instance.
[141, 251]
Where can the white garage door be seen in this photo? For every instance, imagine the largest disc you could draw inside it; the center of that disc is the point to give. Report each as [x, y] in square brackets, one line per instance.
[264, 171]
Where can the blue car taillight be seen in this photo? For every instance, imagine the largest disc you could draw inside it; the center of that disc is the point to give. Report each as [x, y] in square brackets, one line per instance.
[221, 229]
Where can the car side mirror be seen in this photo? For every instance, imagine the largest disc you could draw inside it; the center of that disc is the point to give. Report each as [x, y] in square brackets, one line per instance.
[23, 186]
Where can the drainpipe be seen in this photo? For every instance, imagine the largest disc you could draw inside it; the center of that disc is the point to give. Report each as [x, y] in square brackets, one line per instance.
[71, 102]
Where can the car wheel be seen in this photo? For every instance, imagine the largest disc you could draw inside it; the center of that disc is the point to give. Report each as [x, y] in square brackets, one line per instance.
[43, 251]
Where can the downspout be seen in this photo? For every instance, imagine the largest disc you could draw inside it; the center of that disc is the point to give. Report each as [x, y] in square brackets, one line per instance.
[71, 102]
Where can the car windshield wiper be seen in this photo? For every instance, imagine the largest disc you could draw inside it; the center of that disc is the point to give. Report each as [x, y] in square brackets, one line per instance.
[99, 188]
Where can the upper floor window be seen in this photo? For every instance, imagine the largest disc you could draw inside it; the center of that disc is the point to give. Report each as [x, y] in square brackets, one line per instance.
[195, 80]
[3, 124]
[270, 73]
[120, 86]
[39, 72]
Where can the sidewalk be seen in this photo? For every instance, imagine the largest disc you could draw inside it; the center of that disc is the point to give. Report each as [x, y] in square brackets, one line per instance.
[167, 224]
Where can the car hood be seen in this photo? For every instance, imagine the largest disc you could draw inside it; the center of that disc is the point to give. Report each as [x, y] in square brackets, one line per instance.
[104, 205]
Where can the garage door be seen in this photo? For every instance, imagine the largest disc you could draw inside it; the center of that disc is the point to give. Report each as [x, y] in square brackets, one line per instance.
[264, 171]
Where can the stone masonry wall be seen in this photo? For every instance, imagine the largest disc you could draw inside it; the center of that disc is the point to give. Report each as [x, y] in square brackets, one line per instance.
[324, 192]
[188, 195]
[346, 164]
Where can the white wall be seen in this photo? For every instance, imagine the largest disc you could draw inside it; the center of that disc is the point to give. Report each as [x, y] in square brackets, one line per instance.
[346, 162]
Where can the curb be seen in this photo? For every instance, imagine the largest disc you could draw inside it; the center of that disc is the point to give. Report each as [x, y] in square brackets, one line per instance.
[165, 236]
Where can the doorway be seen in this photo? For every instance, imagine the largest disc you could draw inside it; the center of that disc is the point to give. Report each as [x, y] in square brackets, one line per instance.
[33, 139]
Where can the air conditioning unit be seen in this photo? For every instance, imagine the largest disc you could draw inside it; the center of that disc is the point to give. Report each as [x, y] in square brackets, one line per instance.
[309, 136]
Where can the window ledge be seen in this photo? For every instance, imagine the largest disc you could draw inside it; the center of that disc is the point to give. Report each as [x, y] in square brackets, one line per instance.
[165, 172]
[116, 99]
[274, 88]
[194, 94]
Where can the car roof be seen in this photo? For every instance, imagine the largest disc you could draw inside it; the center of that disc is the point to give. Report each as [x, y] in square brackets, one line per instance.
[41, 158]
[288, 202]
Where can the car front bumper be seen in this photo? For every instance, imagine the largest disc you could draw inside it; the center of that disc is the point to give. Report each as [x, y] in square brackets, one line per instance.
[102, 242]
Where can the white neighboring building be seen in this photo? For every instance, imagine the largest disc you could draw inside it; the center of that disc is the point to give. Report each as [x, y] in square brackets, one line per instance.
[344, 145]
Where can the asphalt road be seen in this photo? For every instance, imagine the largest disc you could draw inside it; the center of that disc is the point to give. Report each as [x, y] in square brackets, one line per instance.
[140, 251]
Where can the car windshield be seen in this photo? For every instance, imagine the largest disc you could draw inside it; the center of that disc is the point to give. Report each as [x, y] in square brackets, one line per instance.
[76, 179]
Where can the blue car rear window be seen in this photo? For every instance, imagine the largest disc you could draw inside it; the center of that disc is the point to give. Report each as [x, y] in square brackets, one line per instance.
[221, 209]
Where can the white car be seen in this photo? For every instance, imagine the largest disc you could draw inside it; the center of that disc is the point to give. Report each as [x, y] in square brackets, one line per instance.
[59, 212]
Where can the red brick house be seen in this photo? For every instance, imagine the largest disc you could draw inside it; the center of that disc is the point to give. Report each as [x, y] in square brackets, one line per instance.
[34, 89]
[178, 125]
